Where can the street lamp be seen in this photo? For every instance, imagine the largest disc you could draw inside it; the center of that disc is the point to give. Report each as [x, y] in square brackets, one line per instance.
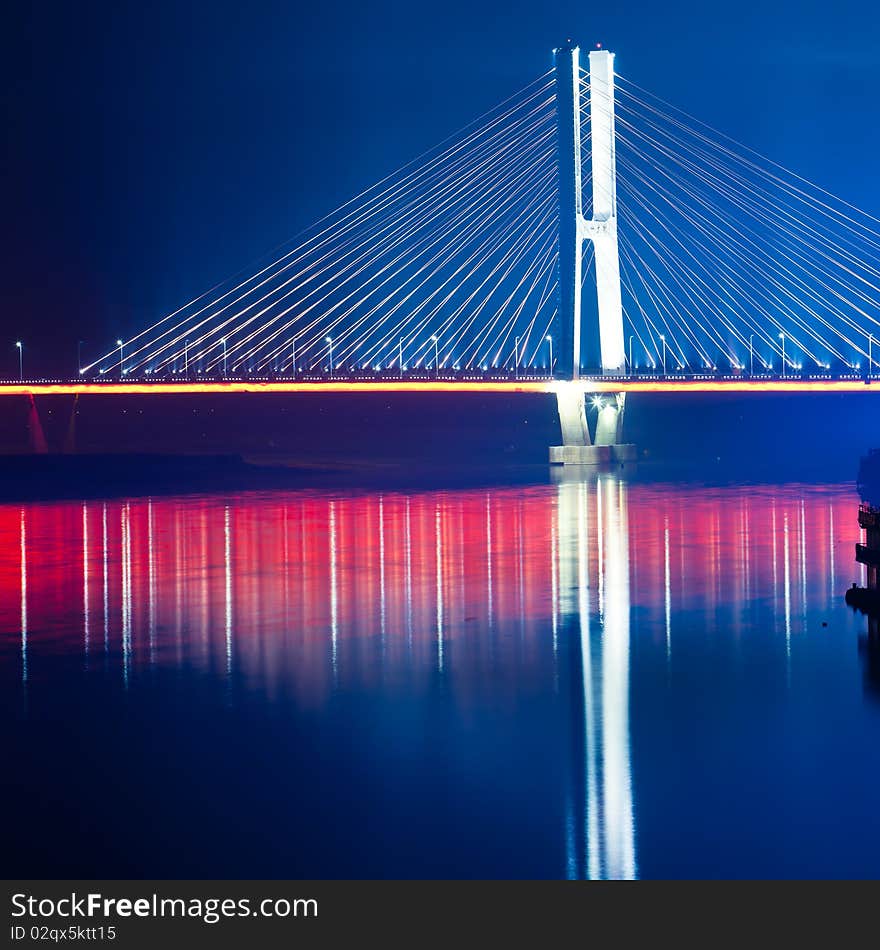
[79, 360]
[20, 358]
[328, 340]
[663, 341]
[516, 357]
[186, 359]
[436, 356]
[293, 356]
[870, 359]
[630, 356]
[400, 356]
[782, 337]
[121, 359]
[751, 356]
[223, 341]
[550, 341]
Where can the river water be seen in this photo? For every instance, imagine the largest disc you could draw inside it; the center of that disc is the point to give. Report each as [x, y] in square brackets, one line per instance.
[594, 676]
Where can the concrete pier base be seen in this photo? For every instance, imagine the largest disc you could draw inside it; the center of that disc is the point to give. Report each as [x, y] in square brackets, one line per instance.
[578, 448]
[593, 454]
[625, 452]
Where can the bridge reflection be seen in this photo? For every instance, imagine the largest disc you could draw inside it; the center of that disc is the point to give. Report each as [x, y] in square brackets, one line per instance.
[594, 603]
[504, 594]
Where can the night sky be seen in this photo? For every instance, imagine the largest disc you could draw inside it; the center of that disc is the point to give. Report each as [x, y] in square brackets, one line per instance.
[154, 149]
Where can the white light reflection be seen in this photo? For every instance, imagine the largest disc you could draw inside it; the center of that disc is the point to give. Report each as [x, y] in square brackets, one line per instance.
[803, 548]
[554, 597]
[489, 560]
[227, 585]
[125, 526]
[334, 592]
[667, 589]
[106, 581]
[520, 571]
[602, 844]
[569, 518]
[619, 847]
[831, 572]
[591, 765]
[85, 524]
[600, 539]
[382, 573]
[787, 588]
[151, 583]
[747, 545]
[409, 602]
[24, 616]
[439, 556]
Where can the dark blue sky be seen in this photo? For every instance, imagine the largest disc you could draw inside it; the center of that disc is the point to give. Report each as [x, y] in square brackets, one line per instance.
[152, 149]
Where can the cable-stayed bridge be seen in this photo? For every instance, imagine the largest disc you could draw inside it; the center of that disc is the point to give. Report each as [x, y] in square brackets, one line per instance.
[583, 237]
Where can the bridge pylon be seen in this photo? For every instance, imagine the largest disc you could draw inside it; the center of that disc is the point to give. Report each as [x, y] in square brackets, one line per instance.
[595, 345]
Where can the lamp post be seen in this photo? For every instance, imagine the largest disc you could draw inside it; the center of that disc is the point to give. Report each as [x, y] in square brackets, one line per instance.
[186, 359]
[121, 359]
[751, 356]
[550, 341]
[870, 355]
[293, 356]
[663, 341]
[436, 356]
[400, 355]
[329, 341]
[516, 357]
[20, 360]
[782, 337]
[79, 360]
[223, 341]
[630, 356]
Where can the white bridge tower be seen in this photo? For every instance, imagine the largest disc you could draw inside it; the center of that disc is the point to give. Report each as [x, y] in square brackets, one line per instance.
[593, 347]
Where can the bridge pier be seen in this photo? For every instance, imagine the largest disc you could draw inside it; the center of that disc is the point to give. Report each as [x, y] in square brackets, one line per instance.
[578, 447]
[609, 424]
[603, 338]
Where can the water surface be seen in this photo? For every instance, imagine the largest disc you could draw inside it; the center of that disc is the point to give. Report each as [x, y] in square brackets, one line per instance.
[588, 677]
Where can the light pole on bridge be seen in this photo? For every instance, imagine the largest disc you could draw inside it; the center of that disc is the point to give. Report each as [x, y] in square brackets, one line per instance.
[186, 359]
[663, 341]
[223, 341]
[550, 341]
[516, 357]
[329, 341]
[870, 355]
[436, 356]
[79, 359]
[20, 360]
[782, 337]
[293, 356]
[121, 359]
[400, 356]
[630, 356]
[751, 356]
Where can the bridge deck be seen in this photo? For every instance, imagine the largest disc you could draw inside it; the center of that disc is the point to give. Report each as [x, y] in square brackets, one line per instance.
[598, 385]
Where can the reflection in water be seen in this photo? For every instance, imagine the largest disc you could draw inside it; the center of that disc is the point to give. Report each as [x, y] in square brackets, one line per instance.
[85, 576]
[24, 617]
[106, 575]
[867, 599]
[543, 589]
[227, 586]
[594, 556]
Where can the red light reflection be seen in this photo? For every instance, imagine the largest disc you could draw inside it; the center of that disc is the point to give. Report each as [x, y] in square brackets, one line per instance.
[304, 591]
